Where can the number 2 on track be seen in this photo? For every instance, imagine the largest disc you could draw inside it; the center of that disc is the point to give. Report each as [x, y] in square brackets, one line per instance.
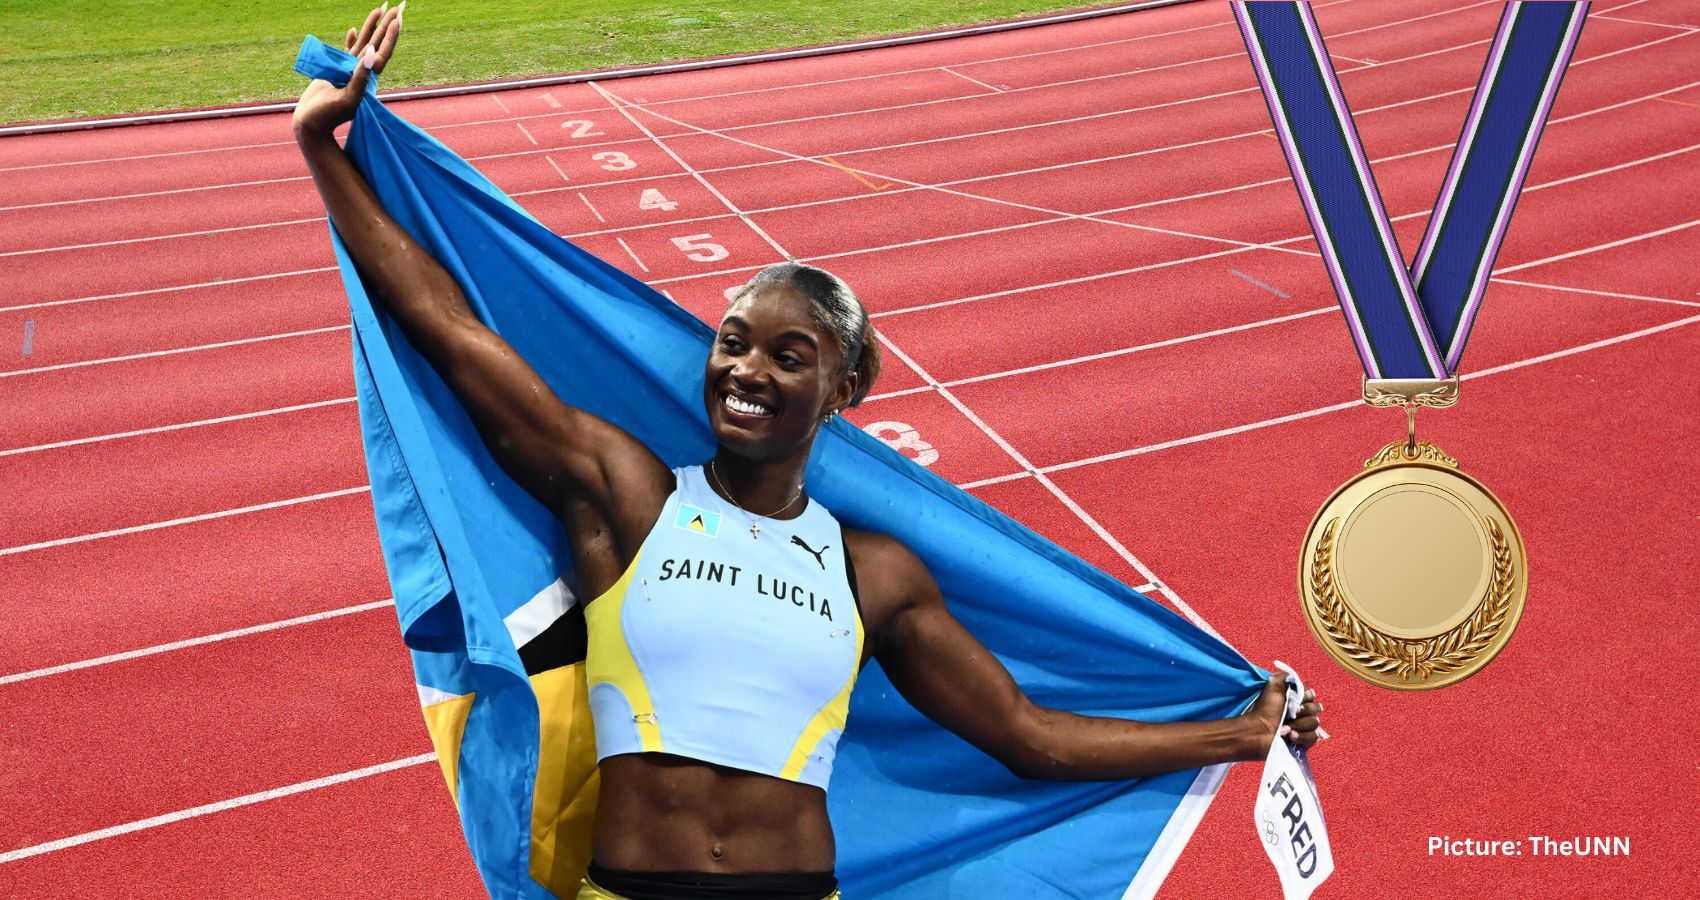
[581, 128]
[653, 199]
[904, 438]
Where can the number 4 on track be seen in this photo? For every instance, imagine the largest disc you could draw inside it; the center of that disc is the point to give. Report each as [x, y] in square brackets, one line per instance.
[653, 199]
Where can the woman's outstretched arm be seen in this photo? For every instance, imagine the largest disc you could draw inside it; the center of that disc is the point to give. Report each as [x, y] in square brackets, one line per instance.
[954, 680]
[556, 452]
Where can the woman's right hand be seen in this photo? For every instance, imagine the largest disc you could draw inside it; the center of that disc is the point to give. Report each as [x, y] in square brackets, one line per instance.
[324, 106]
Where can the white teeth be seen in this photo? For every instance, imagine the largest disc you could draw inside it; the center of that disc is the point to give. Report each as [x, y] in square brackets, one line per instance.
[745, 407]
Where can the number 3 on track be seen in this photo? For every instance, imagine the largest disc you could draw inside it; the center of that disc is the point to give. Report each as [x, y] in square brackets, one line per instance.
[614, 161]
[903, 438]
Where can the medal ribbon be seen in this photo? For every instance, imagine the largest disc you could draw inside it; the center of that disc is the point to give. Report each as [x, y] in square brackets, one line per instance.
[1410, 323]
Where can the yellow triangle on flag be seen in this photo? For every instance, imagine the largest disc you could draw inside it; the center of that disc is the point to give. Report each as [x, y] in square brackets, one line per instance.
[695, 524]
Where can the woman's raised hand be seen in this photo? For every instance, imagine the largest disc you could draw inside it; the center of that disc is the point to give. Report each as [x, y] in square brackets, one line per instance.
[324, 106]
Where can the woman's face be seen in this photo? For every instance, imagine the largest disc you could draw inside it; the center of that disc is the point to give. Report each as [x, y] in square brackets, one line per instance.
[771, 375]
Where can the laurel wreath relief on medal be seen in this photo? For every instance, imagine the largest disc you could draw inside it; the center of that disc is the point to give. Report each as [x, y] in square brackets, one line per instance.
[1440, 654]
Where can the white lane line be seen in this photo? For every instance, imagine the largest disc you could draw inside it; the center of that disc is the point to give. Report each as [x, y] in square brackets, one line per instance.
[564, 179]
[169, 289]
[594, 212]
[193, 642]
[1110, 354]
[152, 353]
[1642, 22]
[177, 426]
[1577, 290]
[629, 253]
[1350, 404]
[186, 520]
[160, 155]
[210, 808]
[526, 133]
[159, 193]
[993, 88]
[162, 237]
[496, 96]
[1586, 250]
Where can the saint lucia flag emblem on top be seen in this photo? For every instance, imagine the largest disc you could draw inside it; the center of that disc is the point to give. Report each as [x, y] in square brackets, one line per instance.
[701, 521]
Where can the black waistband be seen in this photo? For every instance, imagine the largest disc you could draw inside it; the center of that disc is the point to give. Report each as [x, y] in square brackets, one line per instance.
[706, 885]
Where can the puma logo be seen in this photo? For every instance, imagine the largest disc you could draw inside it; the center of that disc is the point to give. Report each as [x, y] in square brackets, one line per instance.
[812, 551]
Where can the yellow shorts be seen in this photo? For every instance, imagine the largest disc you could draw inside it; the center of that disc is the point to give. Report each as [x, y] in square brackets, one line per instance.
[589, 891]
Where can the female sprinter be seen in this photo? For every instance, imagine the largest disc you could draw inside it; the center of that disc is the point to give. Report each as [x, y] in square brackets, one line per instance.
[720, 798]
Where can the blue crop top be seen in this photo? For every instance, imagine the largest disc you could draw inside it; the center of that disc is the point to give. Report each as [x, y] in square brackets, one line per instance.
[726, 647]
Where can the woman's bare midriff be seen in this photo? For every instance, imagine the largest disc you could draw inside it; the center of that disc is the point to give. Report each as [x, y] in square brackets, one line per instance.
[662, 813]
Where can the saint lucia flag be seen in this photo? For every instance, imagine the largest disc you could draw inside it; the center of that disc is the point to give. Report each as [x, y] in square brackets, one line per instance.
[480, 573]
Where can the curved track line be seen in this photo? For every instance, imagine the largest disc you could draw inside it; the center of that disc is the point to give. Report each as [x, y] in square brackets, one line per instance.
[748, 125]
[632, 72]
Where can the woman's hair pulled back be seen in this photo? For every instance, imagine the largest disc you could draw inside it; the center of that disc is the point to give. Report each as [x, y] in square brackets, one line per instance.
[835, 310]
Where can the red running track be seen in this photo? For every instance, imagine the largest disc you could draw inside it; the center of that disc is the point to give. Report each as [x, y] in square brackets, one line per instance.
[1141, 359]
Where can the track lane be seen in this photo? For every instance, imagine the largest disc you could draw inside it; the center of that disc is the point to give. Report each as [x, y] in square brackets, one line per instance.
[1176, 391]
[118, 743]
[93, 488]
[396, 833]
[103, 597]
[118, 397]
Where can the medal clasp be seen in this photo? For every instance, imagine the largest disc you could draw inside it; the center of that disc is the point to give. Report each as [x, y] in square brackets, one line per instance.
[1410, 392]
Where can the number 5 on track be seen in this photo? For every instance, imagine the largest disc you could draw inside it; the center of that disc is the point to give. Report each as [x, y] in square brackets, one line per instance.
[699, 248]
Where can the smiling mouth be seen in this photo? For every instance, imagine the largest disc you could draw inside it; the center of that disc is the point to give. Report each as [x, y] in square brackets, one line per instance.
[745, 407]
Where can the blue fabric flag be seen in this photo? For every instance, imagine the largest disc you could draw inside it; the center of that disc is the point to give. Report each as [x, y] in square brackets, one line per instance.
[481, 571]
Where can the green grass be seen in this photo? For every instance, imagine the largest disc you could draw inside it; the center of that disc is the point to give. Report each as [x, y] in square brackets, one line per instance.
[74, 58]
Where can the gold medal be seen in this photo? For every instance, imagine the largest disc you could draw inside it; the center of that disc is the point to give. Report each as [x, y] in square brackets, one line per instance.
[1413, 574]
